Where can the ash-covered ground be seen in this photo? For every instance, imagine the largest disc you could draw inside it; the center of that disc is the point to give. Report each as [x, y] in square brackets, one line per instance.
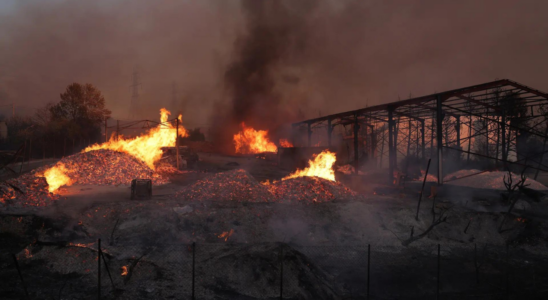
[241, 228]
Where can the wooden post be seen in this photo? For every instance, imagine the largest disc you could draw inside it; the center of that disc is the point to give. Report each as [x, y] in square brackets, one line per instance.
[99, 269]
[117, 129]
[422, 189]
[382, 148]
[503, 138]
[177, 141]
[281, 272]
[438, 286]
[64, 146]
[106, 133]
[368, 268]
[20, 275]
[193, 267]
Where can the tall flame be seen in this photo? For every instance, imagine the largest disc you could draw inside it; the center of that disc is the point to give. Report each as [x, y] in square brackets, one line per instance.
[285, 143]
[250, 141]
[148, 147]
[320, 166]
[57, 177]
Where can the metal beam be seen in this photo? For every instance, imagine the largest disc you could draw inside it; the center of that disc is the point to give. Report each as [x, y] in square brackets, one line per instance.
[439, 132]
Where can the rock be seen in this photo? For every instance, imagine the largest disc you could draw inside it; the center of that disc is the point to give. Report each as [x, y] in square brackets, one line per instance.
[183, 210]
[522, 205]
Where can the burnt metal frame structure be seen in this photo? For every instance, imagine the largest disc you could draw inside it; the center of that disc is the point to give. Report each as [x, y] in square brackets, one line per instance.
[479, 104]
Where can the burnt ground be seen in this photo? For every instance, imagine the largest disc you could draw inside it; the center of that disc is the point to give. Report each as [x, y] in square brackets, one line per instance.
[324, 245]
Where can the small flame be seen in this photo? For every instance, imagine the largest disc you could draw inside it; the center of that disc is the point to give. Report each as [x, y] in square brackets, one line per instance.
[321, 166]
[250, 141]
[56, 177]
[226, 234]
[285, 143]
[124, 271]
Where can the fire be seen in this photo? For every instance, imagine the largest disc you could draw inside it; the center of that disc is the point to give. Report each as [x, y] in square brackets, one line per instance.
[285, 143]
[226, 234]
[57, 177]
[249, 141]
[321, 166]
[124, 271]
[147, 147]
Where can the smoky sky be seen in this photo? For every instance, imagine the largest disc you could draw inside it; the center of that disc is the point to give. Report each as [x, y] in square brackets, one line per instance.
[330, 56]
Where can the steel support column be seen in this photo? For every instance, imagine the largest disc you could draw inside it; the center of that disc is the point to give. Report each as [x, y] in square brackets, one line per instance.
[423, 131]
[503, 138]
[391, 149]
[439, 137]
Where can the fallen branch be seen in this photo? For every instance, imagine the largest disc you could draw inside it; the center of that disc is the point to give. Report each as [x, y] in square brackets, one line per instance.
[435, 222]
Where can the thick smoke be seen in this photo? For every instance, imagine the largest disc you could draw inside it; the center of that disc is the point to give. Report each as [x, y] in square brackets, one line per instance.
[274, 37]
[318, 57]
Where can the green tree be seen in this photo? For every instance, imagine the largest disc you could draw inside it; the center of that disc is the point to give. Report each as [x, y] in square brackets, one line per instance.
[80, 112]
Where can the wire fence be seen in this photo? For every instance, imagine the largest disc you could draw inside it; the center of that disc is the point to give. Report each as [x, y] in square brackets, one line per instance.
[274, 271]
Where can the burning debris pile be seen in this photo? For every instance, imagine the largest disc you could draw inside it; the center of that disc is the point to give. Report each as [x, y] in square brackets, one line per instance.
[309, 190]
[101, 167]
[315, 184]
[26, 190]
[235, 185]
[105, 167]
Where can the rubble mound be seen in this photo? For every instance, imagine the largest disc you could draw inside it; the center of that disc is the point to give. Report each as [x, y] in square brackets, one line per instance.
[258, 273]
[234, 185]
[309, 190]
[26, 190]
[99, 167]
[107, 167]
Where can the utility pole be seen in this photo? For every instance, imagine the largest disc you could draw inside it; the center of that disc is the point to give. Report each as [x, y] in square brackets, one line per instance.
[174, 101]
[134, 95]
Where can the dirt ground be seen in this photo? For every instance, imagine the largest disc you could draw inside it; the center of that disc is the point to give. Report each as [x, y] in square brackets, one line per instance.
[241, 247]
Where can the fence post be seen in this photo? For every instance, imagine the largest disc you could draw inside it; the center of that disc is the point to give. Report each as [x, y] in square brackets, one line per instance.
[20, 275]
[281, 271]
[368, 267]
[193, 267]
[507, 273]
[99, 269]
[438, 289]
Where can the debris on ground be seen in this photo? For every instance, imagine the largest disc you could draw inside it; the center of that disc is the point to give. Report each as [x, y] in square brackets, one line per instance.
[310, 190]
[234, 185]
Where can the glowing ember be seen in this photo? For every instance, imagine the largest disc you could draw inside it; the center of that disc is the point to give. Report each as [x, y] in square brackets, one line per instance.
[124, 271]
[226, 234]
[285, 143]
[146, 148]
[56, 177]
[250, 141]
[321, 166]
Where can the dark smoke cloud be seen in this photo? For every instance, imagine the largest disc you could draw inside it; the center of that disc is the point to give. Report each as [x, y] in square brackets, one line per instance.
[319, 57]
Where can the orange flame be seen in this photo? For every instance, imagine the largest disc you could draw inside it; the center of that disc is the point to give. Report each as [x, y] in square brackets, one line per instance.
[285, 143]
[124, 271]
[56, 177]
[226, 234]
[321, 166]
[249, 141]
[148, 147]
